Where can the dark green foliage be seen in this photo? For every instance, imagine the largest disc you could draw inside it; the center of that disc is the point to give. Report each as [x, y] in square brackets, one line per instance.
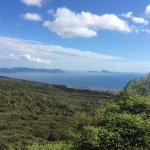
[48, 117]
[140, 86]
[36, 112]
[121, 124]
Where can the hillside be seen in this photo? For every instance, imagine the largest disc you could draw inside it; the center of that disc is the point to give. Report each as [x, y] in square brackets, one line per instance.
[37, 112]
[37, 116]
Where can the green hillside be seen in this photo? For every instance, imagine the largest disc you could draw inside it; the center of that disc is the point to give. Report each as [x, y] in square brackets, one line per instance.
[36, 112]
[37, 116]
[120, 124]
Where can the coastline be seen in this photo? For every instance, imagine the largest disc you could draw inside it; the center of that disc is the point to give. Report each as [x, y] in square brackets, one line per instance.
[90, 89]
[113, 90]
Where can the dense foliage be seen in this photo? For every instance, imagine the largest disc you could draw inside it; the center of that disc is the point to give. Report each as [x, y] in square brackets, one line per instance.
[120, 124]
[47, 117]
[32, 112]
[140, 86]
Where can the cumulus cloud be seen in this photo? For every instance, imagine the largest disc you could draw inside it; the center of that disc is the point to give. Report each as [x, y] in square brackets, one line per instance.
[33, 2]
[147, 10]
[84, 24]
[140, 20]
[136, 20]
[32, 17]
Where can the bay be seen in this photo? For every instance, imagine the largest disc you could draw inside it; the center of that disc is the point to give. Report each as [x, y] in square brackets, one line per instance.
[80, 79]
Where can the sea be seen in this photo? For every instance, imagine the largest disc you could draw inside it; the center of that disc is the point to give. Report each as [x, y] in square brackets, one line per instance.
[83, 80]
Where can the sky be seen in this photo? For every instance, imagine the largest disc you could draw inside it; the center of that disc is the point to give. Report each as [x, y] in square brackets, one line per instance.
[76, 34]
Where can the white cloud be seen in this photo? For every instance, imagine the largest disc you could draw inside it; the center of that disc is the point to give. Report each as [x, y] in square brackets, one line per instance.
[136, 20]
[147, 11]
[34, 59]
[140, 20]
[55, 56]
[84, 24]
[33, 2]
[128, 14]
[17, 49]
[146, 30]
[32, 17]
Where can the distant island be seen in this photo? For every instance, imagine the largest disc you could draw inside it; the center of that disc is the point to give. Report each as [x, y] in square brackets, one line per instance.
[102, 71]
[29, 70]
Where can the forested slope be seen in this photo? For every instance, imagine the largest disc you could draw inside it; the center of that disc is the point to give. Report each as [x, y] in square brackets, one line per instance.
[37, 112]
[36, 116]
[120, 124]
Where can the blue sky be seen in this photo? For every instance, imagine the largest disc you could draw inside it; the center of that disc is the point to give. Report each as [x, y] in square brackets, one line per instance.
[75, 34]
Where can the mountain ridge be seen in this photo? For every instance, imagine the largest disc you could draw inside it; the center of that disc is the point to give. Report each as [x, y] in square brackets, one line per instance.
[30, 70]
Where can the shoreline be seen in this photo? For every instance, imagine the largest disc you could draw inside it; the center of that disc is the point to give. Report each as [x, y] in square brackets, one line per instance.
[95, 89]
[92, 89]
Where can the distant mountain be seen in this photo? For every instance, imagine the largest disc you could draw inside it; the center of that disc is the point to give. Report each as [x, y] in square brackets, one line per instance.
[27, 70]
[107, 71]
[102, 71]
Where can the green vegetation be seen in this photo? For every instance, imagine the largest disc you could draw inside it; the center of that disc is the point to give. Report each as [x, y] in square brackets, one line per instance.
[141, 86]
[120, 124]
[32, 112]
[36, 116]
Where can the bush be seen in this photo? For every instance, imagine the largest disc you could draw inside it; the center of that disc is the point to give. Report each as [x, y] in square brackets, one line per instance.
[54, 146]
[119, 125]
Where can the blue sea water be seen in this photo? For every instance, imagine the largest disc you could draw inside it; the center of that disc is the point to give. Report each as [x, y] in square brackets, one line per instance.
[80, 79]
